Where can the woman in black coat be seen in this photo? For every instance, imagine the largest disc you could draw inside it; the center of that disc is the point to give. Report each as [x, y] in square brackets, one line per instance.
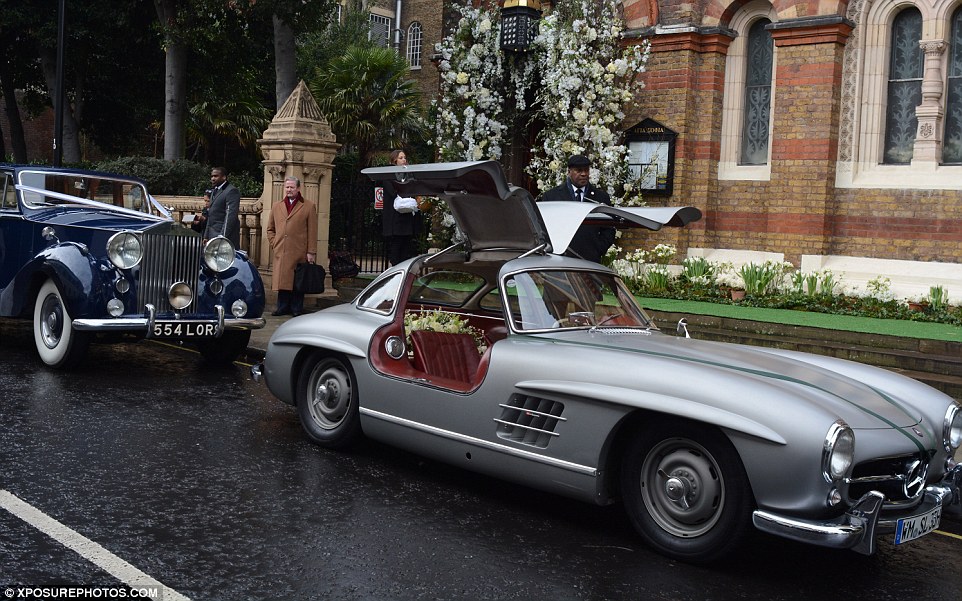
[400, 221]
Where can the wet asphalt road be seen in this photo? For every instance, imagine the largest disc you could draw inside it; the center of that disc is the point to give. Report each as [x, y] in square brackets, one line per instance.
[203, 481]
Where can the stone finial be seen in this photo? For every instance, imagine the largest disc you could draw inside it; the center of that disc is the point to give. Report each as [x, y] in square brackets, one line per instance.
[300, 118]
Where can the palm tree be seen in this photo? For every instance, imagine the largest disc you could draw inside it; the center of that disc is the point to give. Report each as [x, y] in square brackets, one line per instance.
[241, 120]
[368, 100]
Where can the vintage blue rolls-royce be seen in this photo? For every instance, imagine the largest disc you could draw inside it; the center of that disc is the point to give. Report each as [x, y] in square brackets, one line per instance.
[504, 355]
[91, 256]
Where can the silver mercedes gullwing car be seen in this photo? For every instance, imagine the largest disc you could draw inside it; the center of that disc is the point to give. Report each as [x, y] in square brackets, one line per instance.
[502, 355]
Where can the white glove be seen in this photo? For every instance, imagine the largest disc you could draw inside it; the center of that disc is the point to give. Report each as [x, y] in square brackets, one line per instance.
[405, 205]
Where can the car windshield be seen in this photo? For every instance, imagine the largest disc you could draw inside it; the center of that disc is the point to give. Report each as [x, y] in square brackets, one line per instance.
[559, 299]
[43, 189]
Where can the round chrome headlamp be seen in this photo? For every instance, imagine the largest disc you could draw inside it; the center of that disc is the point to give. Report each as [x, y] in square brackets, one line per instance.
[238, 308]
[115, 307]
[180, 295]
[125, 250]
[219, 254]
[838, 451]
[952, 428]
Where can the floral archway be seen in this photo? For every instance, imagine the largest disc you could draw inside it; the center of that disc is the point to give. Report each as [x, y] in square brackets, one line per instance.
[575, 82]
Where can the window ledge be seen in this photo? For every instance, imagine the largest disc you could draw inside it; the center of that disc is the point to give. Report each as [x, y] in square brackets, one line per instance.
[918, 175]
[733, 171]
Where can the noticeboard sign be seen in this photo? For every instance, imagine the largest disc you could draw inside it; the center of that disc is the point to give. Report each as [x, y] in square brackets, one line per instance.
[651, 156]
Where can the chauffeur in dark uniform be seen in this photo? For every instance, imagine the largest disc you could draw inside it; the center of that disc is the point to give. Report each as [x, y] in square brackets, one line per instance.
[590, 242]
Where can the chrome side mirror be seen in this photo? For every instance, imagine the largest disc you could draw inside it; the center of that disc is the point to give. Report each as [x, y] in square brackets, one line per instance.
[682, 327]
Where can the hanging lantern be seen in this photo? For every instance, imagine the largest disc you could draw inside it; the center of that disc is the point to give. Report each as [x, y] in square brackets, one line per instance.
[519, 24]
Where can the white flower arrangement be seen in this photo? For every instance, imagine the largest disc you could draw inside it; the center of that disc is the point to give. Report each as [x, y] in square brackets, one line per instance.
[880, 288]
[435, 320]
[726, 275]
[588, 79]
[628, 270]
[639, 255]
[662, 253]
[469, 123]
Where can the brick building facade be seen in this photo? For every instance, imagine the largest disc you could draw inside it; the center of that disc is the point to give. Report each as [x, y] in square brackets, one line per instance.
[414, 35]
[825, 187]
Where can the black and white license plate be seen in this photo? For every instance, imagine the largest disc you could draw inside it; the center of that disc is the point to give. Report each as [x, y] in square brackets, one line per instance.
[182, 329]
[912, 528]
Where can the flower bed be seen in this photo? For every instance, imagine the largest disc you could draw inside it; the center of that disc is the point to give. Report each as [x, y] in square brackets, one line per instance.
[776, 285]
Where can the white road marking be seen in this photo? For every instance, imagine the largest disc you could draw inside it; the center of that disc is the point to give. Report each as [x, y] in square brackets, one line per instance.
[83, 546]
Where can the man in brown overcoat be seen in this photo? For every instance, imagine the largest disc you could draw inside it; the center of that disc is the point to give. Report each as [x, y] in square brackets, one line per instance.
[292, 234]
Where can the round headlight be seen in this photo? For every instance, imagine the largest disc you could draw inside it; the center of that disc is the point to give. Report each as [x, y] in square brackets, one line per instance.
[115, 307]
[838, 451]
[952, 428]
[180, 296]
[219, 254]
[124, 250]
[238, 308]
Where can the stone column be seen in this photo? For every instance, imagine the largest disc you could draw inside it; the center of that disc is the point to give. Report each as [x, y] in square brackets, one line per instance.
[928, 138]
[298, 143]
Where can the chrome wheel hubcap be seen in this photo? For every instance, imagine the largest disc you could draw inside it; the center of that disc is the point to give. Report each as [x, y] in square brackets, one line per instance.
[682, 487]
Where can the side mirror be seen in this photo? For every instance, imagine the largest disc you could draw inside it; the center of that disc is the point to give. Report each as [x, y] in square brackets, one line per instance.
[682, 327]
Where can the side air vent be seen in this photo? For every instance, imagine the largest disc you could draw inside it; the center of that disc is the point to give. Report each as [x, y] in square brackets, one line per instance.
[529, 420]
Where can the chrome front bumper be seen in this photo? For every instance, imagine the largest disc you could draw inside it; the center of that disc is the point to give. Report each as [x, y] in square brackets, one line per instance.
[145, 325]
[857, 528]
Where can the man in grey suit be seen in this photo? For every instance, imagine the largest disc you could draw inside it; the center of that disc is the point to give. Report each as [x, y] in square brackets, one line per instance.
[223, 214]
[590, 242]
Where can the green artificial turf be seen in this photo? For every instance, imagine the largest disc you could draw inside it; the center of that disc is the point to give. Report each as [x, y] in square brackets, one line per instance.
[869, 325]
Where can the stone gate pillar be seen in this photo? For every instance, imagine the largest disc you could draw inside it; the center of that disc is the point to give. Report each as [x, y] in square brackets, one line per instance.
[298, 142]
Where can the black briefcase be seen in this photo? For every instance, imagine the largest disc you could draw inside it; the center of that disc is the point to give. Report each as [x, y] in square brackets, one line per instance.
[309, 278]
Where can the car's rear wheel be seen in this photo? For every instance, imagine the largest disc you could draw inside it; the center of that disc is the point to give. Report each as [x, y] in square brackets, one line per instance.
[686, 491]
[220, 352]
[327, 401]
[58, 344]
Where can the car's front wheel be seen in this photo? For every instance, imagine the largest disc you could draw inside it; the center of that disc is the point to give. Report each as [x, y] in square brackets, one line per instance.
[327, 401]
[58, 344]
[686, 491]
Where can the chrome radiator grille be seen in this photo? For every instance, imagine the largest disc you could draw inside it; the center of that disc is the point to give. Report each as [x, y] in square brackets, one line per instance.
[899, 478]
[168, 259]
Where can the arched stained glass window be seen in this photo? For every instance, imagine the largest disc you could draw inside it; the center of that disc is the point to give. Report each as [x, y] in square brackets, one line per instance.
[758, 95]
[952, 144]
[904, 87]
[414, 44]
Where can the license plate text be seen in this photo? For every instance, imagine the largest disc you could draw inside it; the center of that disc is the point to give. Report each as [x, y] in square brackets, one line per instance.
[920, 525]
[173, 329]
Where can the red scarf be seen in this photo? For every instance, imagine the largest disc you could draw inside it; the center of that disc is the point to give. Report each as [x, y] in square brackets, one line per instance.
[290, 205]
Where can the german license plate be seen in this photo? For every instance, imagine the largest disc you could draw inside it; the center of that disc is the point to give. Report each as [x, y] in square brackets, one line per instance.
[181, 329]
[911, 528]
